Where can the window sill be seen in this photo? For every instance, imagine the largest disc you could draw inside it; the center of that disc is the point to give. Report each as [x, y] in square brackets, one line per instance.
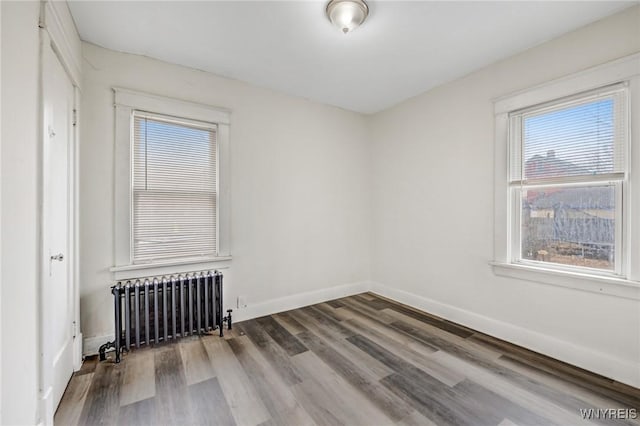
[618, 287]
[169, 267]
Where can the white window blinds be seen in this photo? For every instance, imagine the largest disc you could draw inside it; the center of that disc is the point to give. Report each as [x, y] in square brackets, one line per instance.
[174, 188]
[575, 139]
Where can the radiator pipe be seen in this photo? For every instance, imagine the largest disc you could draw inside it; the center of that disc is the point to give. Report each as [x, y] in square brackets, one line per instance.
[199, 282]
[219, 300]
[137, 308]
[165, 311]
[206, 303]
[174, 334]
[190, 308]
[182, 281]
[127, 315]
[115, 290]
[156, 325]
[147, 327]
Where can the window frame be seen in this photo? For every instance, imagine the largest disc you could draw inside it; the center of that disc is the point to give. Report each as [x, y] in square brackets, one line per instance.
[180, 121]
[126, 102]
[618, 180]
[625, 280]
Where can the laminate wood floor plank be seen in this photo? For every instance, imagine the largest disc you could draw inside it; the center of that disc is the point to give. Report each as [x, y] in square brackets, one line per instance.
[143, 413]
[368, 386]
[358, 360]
[444, 325]
[371, 365]
[451, 345]
[171, 385]
[327, 321]
[368, 295]
[373, 303]
[416, 352]
[552, 394]
[271, 388]
[195, 360]
[139, 379]
[73, 400]
[429, 396]
[594, 395]
[507, 422]
[363, 322]
[321, 384]
[419, 360]
[559, 407]
[387, 318]
[472, 391]
[378, 333]
[281, 336]
[102, 404]
[441, 323]
[416, 419]
[285, 320]
[318, 403]
[88, 365]
[429, 332]
[335, 303]
[276, 356]
[506, 388]
[435, 403]
[209, 404]
[357, 306]
[340, 313]
[244, 402]
[567, 372]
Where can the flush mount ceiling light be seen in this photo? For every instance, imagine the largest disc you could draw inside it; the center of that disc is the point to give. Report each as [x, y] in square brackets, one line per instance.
[347, 14]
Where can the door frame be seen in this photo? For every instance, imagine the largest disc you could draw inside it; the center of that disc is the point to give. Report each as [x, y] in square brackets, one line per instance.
[57, 37]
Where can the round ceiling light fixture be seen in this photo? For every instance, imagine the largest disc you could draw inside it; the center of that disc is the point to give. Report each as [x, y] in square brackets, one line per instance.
[347, 14]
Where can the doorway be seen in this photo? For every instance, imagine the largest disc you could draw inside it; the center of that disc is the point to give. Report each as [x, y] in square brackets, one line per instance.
[58, 292]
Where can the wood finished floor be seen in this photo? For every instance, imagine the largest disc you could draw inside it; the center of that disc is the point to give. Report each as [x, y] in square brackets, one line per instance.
[360, 360]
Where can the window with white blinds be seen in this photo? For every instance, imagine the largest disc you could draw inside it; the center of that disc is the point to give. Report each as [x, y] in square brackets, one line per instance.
[568, 167]
[581, 137]
[174, 191]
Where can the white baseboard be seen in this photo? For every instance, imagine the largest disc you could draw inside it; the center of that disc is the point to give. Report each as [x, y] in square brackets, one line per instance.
[77, 352]
[268, 307]
[47, 410]
[299, 300]
[91, 345]
[598, 362]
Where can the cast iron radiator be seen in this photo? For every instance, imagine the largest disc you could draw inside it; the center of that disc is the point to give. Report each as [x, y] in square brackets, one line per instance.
[154, 310]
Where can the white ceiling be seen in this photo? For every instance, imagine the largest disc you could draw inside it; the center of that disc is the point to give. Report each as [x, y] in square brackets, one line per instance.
[403, 49]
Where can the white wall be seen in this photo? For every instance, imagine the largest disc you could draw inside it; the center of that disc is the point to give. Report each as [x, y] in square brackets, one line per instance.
[323, 197]
[19, 189]
[299, 185]
[0, 217]
[433, 189]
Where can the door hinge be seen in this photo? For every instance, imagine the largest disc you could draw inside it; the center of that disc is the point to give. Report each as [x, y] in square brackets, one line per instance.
[75, 117]
[74, 329]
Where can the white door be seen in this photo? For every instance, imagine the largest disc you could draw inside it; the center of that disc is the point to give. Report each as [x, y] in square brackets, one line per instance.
[57, 287]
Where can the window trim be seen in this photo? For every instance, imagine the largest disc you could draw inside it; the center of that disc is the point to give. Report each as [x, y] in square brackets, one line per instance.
[127, 101]
[617, 179]
[627, 283]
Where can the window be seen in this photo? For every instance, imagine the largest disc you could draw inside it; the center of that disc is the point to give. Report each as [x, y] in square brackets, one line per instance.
[568, 169]
[567, 187]
[174, 193]
[172, 197]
